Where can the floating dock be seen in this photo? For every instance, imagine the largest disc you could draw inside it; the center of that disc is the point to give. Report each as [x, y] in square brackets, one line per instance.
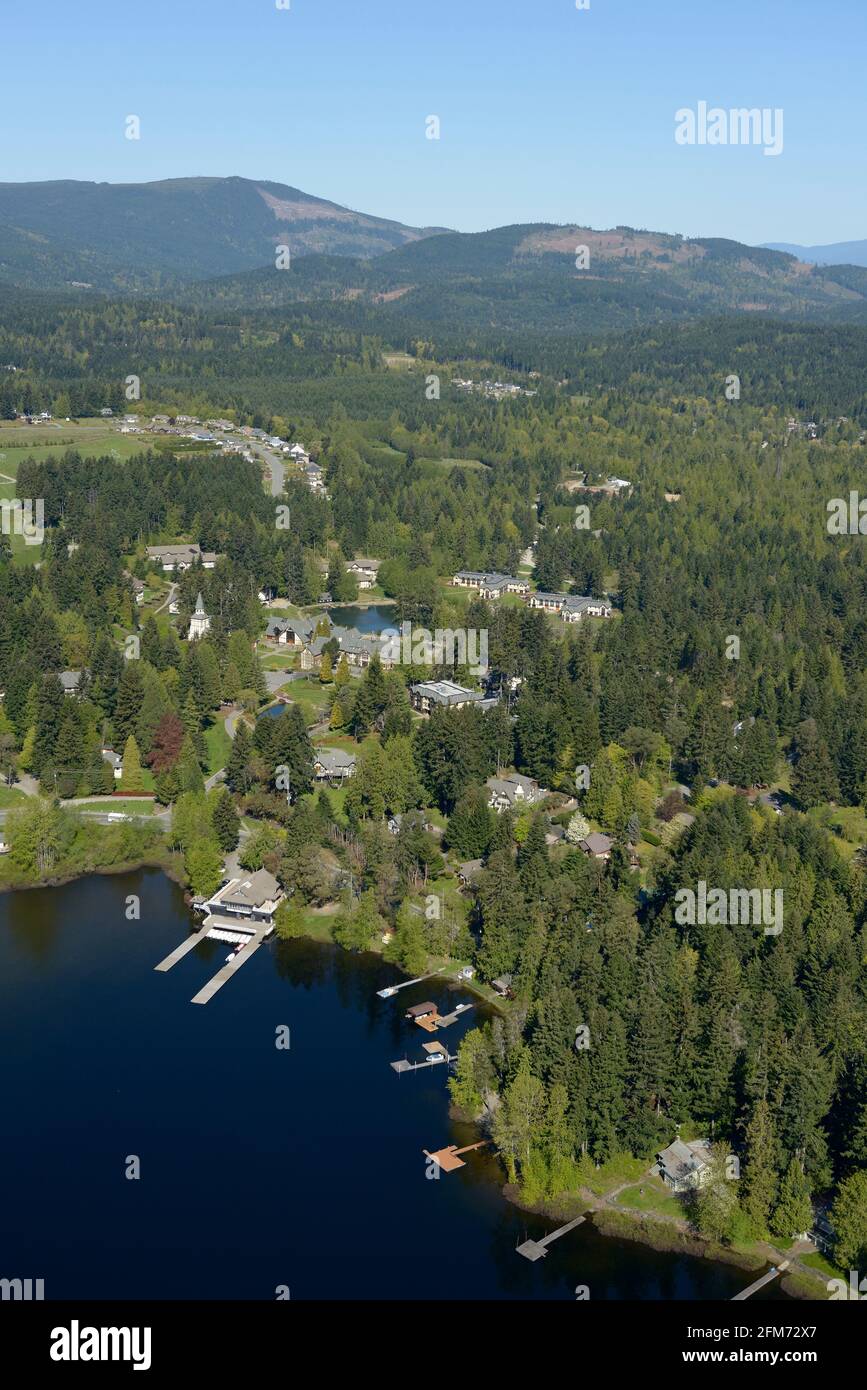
[448, 1158]
[535, 1249]
[437, 1054]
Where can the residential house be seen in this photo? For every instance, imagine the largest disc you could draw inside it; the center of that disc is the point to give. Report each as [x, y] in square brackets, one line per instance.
[290, 632]
[428, 695]
[174, 557]
[550, 603]
[514, 791]
[491, 585]
[114, 761]
[685, 1166]
[365, 571]
[597, 846]
[333, 764]
[254, 899]
[577, 606]
[468, 873]
[70, 680]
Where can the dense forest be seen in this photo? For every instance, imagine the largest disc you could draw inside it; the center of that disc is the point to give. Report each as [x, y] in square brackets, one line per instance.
[733, 664]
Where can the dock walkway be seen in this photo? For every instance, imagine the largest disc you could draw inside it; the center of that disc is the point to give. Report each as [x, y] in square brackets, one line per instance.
[535, 1249]
[760, 1283]
[217, 981]
[180, 951]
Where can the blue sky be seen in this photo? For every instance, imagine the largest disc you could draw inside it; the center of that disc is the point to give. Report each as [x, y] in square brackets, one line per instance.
[547, 113]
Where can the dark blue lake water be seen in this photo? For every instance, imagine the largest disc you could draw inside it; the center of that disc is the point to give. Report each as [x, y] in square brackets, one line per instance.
[259, 1167]
[373, 619]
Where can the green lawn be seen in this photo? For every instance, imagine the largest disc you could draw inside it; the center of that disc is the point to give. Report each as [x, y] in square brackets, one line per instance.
[11, 797]
[651, 1196]
[309, 694]
[128, 805]
[219, 746]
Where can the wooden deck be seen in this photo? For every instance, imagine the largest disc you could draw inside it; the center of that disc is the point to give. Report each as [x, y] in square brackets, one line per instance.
[448, 1158]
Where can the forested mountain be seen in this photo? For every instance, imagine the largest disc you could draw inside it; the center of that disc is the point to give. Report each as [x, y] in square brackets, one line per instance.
[143, 235]
[527, 278]
[539, 277]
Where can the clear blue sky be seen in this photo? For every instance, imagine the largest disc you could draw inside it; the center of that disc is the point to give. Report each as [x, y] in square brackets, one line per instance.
[547, 113]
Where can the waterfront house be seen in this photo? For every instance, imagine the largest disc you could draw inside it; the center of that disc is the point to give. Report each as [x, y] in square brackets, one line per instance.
[253, 899]
[685, 1166]
[364, 571]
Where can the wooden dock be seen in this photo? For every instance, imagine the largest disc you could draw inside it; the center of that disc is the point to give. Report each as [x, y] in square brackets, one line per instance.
[180, 951]
[444, 1020]
[448, 1158]
[535, 1249]
[760, 1283]
[217, 981]
[437, 1056]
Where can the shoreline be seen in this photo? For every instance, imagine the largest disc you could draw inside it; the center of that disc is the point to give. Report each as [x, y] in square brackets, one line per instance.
[614, 1222]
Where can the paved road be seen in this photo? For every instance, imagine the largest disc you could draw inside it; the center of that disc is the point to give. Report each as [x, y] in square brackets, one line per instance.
[275, 463]
[168, 598]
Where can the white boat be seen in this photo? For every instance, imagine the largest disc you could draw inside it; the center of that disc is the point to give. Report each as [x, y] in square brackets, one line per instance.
[387, 992]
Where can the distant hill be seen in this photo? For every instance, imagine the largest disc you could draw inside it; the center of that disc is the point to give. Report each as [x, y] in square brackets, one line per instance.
[838, 253]
[525, 277]
[135, 236]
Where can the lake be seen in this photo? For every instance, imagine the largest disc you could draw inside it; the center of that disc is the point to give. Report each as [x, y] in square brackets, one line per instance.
[367, 620]
[259, 1167]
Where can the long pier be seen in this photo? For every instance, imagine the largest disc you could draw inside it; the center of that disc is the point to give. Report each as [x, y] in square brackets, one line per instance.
[392, 989]
[760, 1283]
[217, 981]
[180, 951]
[535, 1249]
